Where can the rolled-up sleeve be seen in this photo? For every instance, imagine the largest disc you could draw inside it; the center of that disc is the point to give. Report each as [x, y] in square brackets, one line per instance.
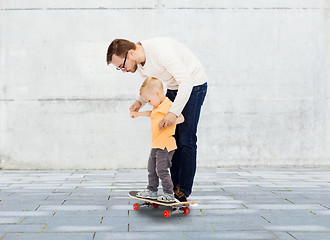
[173, 64]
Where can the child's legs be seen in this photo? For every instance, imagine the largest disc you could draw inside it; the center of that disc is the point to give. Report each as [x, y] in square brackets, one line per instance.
[152, 174]
[163, 164]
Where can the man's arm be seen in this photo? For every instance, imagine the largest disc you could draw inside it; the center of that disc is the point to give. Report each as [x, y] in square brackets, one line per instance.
[168, 58]
[136, 106]
[172, 118]
[173, 64]
[179, 120]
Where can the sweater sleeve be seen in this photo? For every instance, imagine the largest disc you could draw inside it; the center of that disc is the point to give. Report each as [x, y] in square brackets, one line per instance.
[173, 64]
[140, 99]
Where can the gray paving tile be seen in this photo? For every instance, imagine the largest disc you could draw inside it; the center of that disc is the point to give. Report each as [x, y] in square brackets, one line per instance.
[295, 217]
[49, 236]
[21, 227]
[140, 235]
[169, 226]
[72, 207]
[4, 220]
[83, 228]
[244, 211]
[9, 213]
[250, 235]
[82, 214]
[298, 228]
[3, 234]
[309, 236]
[285, 206]
[284, 235]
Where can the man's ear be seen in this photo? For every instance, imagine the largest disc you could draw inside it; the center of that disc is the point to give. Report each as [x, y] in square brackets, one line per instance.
[132, 54]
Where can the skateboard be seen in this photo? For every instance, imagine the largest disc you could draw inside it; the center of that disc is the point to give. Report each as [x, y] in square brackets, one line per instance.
[177, 207]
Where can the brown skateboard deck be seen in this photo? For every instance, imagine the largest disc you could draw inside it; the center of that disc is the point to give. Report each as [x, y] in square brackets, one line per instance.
[177, 207]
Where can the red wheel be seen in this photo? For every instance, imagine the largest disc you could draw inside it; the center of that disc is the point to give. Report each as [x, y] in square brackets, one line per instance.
[155, 205]
[136, 206]
[167, 213]
[186, 211]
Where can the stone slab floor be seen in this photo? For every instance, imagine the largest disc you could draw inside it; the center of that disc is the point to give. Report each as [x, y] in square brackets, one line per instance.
[234, 203]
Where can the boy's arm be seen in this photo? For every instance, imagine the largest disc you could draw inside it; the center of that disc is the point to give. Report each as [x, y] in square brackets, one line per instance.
[140, 114]
[179, 120]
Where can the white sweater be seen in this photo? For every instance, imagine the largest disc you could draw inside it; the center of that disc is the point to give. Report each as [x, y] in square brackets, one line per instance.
[174, 64]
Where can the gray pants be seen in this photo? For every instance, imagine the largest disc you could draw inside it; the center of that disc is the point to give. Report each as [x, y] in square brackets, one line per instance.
[159, 165]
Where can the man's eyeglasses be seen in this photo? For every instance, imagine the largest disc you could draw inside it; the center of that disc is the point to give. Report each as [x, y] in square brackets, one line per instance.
[123, 67]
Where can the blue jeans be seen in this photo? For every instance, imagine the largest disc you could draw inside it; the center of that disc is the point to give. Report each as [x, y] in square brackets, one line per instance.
[184, 159]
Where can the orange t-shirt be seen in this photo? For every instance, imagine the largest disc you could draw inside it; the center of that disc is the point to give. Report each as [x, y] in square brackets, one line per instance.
[164, 138]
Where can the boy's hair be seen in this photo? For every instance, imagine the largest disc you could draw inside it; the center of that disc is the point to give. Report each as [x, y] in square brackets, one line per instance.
[151, 84]
[119, 47]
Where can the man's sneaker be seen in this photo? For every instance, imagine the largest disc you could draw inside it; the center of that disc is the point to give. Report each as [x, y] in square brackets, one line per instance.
[180, 195]
[167, 197]
[147, 194]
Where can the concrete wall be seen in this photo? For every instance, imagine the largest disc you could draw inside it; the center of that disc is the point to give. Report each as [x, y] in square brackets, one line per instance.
[327, 74]
[268, 64]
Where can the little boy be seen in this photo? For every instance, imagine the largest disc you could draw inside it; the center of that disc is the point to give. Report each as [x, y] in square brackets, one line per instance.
[163, 143]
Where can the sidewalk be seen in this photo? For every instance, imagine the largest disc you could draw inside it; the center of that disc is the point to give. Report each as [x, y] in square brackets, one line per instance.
[237, 203]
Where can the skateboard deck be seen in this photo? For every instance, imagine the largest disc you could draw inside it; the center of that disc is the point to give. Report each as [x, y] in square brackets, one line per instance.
[177, 207]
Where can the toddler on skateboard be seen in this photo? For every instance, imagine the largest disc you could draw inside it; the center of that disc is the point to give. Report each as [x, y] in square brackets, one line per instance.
[163, 143]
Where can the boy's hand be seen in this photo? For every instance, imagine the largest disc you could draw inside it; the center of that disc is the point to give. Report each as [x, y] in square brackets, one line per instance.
[133, 114]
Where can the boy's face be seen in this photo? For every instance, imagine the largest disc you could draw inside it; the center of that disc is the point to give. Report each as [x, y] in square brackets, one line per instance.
[151, 97]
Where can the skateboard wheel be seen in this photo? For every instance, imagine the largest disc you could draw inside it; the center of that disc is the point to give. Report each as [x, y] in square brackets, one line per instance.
[155, 205]
[167, 213]
[186, 211]
[136, 206]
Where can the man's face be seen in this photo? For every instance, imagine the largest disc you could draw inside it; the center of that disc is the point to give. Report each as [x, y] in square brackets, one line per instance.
[129, 65]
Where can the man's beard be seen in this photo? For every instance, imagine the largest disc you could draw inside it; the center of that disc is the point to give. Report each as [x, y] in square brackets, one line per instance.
[135, 68]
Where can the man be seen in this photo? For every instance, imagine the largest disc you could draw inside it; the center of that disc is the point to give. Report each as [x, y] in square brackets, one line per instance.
[179, 68]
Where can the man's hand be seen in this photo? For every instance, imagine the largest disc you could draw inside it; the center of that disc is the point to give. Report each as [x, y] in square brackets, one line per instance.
[168, 120]
[135, 106]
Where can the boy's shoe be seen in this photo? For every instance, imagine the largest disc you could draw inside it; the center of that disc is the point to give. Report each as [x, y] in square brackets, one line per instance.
[147, 194]
[167, 197]
[180, 195]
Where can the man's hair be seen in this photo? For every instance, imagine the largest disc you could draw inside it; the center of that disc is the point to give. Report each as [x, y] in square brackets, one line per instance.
[151, 84]
[119, 47]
